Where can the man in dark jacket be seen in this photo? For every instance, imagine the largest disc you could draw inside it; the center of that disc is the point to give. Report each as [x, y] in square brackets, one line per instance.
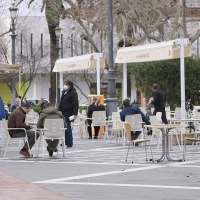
[131, 110]
[159, 102]
[69, 107]
[50, 112]
[17, 120]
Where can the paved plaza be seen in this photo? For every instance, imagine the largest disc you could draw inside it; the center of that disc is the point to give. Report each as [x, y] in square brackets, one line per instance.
[93, 171]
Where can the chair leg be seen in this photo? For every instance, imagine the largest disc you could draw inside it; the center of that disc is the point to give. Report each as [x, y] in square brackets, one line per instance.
[128, 151]
[43, 146]
[39, 145]
[151, 152]
[133, 152]
[145, 146]
[7, 141]
[184, 150]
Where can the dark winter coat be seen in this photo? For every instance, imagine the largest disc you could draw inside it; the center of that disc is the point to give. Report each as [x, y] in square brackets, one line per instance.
[17, 120]
[159, 99]
[131, 110]
[49, 113]
[69, 103]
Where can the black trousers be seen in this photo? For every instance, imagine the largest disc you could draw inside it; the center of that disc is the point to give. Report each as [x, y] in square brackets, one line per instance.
[96, 128]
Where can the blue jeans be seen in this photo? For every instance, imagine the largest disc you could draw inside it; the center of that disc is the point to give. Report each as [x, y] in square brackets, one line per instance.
[68, 134]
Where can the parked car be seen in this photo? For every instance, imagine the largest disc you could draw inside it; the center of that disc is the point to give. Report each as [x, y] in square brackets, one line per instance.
[35, 101]
[32, 101]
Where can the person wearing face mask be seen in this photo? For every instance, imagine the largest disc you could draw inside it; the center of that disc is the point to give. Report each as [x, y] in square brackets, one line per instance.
[69, 107]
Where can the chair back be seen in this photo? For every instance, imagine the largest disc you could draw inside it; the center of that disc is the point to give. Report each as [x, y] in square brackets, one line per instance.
[135, 121]
[127, 127]
[99, 118]
[154, 121]
[159, 115]
[83, 112]
[115, 118]
[53, 127]
[177, 114]
[5, 126]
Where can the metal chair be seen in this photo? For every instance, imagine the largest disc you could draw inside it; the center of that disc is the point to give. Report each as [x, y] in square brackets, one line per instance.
[8, 137]
[99, 119]
[128, 135]
[54, 129]
[185, 141]
[136, 123]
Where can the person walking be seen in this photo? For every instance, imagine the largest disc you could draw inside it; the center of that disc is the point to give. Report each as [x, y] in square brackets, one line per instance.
[158, 101]
[95, 106]
[69, 107]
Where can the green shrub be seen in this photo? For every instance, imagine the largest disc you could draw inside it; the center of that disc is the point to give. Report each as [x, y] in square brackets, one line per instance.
[82, 108]
[36, 108]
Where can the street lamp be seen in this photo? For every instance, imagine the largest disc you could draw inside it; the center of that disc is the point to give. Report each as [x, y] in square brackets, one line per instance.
[13, 15]
[111, 101]
[58, 33]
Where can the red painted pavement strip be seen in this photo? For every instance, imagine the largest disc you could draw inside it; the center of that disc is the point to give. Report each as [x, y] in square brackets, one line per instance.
[16, 189]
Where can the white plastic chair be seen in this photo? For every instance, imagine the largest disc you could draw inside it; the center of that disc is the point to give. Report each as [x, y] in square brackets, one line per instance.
[99, 119]
[79, 123]
[159, 117]
[54, 129]
[117, 128]
[8, 137]
[136, 123]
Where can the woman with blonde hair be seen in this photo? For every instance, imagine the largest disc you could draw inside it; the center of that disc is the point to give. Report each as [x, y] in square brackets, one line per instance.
[95, 106]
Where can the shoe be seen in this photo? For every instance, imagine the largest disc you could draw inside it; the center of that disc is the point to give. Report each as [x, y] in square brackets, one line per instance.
[90, 138]
[55, 150]
[69, 145]
[149, 132]
[95, 137]
[25, 153]
[136, 144]
[50, 151]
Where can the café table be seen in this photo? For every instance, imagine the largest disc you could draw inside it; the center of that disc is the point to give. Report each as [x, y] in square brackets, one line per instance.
[165, 139]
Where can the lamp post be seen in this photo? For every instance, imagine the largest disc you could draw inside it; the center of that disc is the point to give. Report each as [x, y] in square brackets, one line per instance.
[58, 33]
[111, 101]
[13, 15]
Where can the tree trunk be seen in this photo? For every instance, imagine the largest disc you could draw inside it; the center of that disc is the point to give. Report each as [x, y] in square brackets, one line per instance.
[53, 58]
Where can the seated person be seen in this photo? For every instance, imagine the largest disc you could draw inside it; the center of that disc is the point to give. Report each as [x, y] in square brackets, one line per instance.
[50, 112]
[131, 110]
[95, 106]
[17, 120]
[16, 105]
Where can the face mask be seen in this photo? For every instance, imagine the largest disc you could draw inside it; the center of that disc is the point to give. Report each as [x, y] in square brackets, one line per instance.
[65, 87]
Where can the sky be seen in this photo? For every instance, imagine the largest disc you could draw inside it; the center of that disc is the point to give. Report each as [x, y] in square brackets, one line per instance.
[23, 8]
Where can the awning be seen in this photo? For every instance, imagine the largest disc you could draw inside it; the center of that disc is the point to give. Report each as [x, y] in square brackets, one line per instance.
[151, 52]
[7, 67]
[78, 63]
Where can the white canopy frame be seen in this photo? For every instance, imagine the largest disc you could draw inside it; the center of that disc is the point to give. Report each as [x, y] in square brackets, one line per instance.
[79, 63]
[172, 49]
[14, 68]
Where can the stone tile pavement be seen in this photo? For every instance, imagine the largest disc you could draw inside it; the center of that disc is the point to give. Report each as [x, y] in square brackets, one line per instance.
[92, 171]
